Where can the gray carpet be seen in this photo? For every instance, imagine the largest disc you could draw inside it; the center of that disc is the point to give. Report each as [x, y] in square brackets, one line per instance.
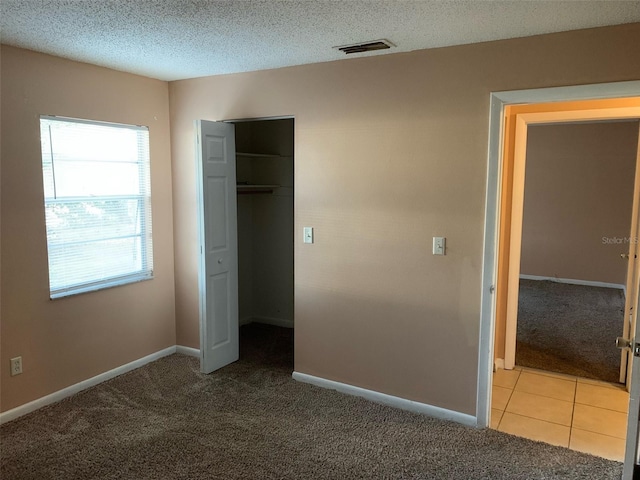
[570, 329]
[252, 421]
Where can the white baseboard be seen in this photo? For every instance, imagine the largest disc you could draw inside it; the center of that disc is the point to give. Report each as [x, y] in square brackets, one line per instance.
[192, 352]
[90, 382]
[383, 398]
[498, 364]
[278, 322]
[572, 281]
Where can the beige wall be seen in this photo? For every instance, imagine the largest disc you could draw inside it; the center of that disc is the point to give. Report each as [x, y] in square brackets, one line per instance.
[579, 189]
[65, 341]
[390, 151]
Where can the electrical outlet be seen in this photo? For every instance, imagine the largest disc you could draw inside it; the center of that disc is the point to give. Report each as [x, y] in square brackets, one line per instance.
[16, 366]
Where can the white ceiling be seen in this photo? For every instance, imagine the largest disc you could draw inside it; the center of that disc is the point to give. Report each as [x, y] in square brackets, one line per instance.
[176, 39]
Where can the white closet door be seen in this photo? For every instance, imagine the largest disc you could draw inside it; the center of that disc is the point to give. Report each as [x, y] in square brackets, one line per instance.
[218, 272]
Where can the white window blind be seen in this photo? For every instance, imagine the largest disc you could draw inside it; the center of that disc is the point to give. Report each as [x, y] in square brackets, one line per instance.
[97, 197]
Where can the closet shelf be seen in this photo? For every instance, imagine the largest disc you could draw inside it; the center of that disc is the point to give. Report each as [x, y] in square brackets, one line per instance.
[257, 155]
[246, 189]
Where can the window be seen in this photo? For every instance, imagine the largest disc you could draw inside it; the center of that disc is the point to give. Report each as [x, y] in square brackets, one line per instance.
[97, 199]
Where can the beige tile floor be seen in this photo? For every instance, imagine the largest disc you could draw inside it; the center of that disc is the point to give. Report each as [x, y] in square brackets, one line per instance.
[578, 413]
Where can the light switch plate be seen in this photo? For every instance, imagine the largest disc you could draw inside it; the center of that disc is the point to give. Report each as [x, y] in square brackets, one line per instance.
[308, 234]
[439, 245]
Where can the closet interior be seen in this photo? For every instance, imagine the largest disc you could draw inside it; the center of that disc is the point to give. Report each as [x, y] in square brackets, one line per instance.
[264, 175]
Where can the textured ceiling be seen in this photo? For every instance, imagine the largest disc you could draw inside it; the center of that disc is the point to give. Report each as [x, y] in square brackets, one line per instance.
[176, 39]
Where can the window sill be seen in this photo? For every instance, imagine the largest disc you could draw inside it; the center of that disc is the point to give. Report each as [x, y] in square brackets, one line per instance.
[116, 282]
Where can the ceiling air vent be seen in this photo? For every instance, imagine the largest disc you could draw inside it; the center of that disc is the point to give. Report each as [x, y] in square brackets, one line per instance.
[366, 47]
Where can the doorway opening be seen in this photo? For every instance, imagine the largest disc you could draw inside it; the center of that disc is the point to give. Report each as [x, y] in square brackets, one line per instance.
[505, 194]
[514, 249]
[245, 222]
[578, 198]
[265, 213]
[566, 201]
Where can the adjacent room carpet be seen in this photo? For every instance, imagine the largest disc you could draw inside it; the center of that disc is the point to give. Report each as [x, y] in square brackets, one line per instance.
[251, 420]
[570, 329]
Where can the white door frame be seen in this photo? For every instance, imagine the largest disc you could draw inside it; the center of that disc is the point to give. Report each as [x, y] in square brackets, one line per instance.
[498, 101]
[262, 119]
